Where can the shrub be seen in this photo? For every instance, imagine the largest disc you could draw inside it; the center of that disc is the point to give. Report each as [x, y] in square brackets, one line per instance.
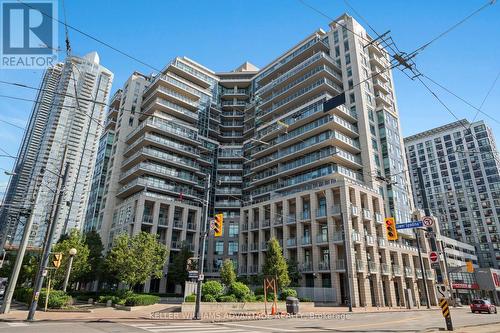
[190, 298]
[57, 299]
[250, 298]
[228, 298]
[209, 298]
[288, 292]
[105, 298]
[259, 291]
[213, 288]
[305, 299]
[259, 298]
[141, 299]
[23, 295]
[239, 290]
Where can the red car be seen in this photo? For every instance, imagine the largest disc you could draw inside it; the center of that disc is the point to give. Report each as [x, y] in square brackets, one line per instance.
[482, 305]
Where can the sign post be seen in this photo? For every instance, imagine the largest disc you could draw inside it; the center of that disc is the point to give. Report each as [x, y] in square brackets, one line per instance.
[443, 294]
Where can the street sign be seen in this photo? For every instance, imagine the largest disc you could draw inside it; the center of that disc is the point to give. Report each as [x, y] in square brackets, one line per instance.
[193, 274]
[408, 225]
[433, 256]
[201, 277]
[435, 265]
[442, 291]
[428, 221]
[430, 234]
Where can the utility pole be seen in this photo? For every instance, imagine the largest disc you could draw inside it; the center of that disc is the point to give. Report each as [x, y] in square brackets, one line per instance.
[422, 268]
[348, 279]
[201, 256]
[61, 182]
[9, 293]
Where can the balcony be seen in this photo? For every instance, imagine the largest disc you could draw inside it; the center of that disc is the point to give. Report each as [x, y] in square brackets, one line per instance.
[355, 236]
[254, 269]
[408, 271]
[291, 218]
[385, 269]
[367, 215]
[396, 270]
[372, 267]
[418, 273]
[335, 210]
[370, 240]
[338, 237]
[306, 240]
[322, 238]
[255, 225]
[266, 223]
[253, 247]
[324, 266]
[305, 215]
[162, 221]
[177, 224]
[306, 267]
[291, 242]
[191, 226]
[378, 217]
[321, 212]
[278, 220]
[360, 266]
[354, 210]
[244, 247]
[429, 274]
[381, 242]
[263, 246]
[244, 227]
[147, 219]
[340, 265]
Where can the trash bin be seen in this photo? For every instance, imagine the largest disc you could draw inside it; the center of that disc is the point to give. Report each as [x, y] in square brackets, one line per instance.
[292, 305]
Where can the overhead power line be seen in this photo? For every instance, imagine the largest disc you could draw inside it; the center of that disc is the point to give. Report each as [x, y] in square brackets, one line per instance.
[126, 54]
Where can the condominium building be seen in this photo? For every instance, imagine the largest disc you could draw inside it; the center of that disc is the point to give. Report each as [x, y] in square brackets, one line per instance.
[64, 128]
[460, 167]
[17, 189]
[284, 163]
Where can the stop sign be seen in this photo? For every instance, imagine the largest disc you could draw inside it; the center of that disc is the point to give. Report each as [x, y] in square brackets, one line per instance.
[433, 256]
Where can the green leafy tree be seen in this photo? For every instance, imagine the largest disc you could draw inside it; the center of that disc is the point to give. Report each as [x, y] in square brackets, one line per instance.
[227, 273]
[275, 264]
[177, 271]
[95, 259]
[294, 273]
[28, 268]
[80, 265]
[133, 260]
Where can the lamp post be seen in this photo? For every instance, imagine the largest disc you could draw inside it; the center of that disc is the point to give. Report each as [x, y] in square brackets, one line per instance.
[72, 253]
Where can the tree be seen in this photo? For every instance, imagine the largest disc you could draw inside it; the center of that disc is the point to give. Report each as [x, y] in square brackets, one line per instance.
[80, 265]
[275, 264]
[28, 270]
[133, 260]
[294, 273]
[96, 260]
[177, 271]
[227, 273]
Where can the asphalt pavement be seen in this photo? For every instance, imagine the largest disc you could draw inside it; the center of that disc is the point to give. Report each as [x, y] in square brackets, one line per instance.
[412, 321]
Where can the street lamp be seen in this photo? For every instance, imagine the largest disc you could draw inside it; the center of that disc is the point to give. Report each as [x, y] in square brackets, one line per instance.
[72, 253]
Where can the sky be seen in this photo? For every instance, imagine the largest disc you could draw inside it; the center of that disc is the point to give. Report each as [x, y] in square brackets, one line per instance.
[221, 35]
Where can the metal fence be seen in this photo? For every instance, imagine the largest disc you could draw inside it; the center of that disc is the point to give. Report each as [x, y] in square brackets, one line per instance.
[318, 295]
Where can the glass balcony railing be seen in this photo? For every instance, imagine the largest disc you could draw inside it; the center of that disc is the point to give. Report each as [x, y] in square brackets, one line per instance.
[167, 126]
[162, 155]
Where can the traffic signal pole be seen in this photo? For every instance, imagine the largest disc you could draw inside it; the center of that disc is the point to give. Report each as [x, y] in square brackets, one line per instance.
[201, 250]
[61, 182]
[422, 268]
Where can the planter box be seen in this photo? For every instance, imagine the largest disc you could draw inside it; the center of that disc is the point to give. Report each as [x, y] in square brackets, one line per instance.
[209, 307]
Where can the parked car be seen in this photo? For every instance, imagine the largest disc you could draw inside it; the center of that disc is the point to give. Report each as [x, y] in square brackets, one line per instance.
[482, 305]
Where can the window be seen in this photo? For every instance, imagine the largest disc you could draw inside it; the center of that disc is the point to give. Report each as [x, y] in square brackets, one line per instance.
[219, 247]
[232, 248]
[337, 51]
[233, 230]
[349, 71]
[346, 45]
[347, 59]
[352, 99]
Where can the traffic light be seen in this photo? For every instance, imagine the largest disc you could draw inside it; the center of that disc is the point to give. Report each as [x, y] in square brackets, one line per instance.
[57, 260]
[470, 268]
[390, 228]
[219, 220]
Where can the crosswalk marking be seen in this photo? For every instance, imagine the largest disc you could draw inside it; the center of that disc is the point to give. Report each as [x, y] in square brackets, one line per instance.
[17, 324]
[189, 327]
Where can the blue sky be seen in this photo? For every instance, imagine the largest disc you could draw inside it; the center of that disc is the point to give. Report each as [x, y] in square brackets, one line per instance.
[223, 34]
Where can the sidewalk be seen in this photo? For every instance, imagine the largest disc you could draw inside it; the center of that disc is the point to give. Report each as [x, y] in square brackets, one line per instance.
[160, 312]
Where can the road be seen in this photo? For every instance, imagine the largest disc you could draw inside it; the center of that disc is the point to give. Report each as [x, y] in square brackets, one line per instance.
[417, 321]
